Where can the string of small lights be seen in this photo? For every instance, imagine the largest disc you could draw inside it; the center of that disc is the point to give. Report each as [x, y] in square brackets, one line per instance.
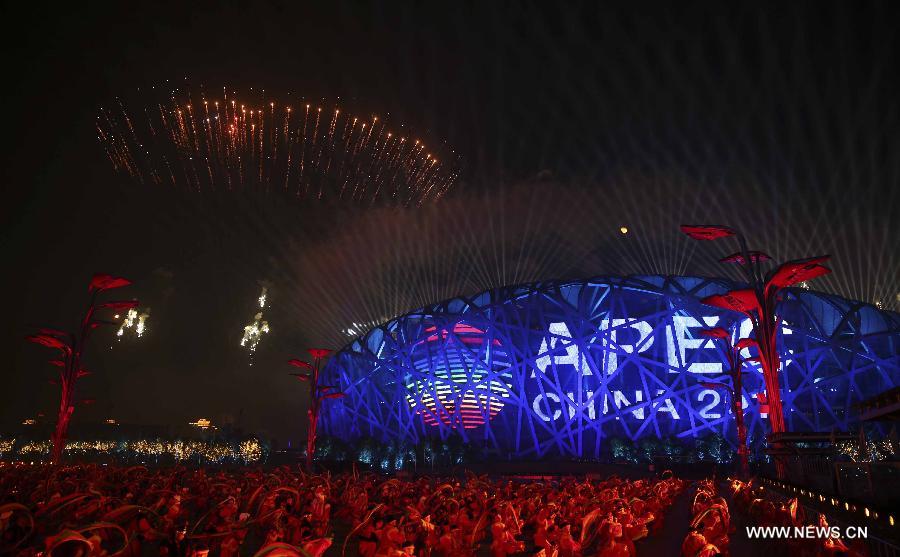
[835, 501]
[249, 451]
[873, 451]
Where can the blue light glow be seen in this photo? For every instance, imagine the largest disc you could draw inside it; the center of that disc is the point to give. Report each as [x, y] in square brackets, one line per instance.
[557, 368]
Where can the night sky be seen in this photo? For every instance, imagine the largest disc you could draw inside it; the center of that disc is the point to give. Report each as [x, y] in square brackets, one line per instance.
[565, 123]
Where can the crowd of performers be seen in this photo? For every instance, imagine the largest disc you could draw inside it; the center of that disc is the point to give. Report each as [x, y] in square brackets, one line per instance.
[92, 510]
[711, 522]
[569, 518]
[761, 507]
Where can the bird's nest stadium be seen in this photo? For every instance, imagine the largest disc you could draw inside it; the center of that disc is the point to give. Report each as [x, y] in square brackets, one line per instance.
[552, 369]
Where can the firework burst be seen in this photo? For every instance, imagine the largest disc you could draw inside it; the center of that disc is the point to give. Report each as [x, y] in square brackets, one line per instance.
[135, 321]
[254, 330]
[311, 151]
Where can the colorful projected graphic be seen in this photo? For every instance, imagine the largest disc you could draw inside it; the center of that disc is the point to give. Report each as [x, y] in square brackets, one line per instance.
[460, 377]
[556, 368]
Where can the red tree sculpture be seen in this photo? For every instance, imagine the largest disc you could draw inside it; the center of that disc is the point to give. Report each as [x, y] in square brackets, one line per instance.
[733, 355]
[759, 302]
[317, 394]
[71, 345]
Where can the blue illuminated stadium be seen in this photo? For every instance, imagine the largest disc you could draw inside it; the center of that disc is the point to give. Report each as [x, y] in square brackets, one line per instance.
[555, 368]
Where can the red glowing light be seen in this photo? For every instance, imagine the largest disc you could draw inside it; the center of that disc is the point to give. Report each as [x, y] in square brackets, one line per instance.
[707, 231]
[743, 300]
[102, 281]
[715, 332]
[798, 270]
[319, 352]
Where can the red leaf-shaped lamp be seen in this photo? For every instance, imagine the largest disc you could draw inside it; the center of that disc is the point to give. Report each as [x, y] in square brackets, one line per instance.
[48, 341]
[743, 300]
[707, 231]
[319, 352]
[798, 270]
[715, 332]
[746, 343]
[103, 281]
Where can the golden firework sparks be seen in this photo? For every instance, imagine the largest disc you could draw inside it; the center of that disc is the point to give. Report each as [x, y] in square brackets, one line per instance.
[320, 153]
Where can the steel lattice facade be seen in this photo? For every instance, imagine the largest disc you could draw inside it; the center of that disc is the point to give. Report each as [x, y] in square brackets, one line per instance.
[556, 368]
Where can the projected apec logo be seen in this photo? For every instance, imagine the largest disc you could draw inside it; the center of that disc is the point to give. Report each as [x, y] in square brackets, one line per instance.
[627, 367]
